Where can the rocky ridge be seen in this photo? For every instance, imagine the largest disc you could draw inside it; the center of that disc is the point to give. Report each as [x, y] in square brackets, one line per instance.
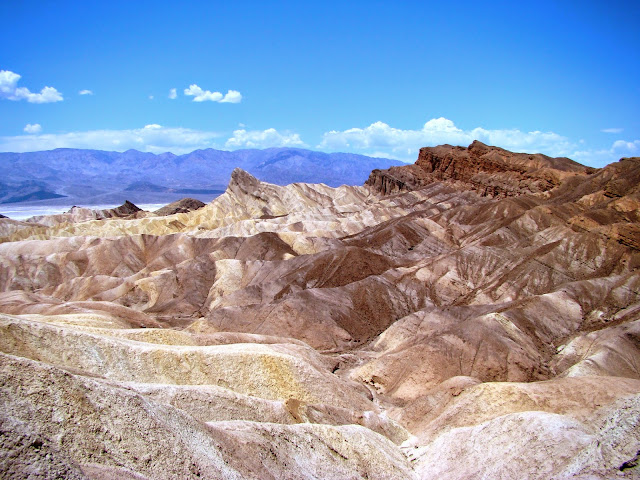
[490, 171]
[184, 205]
[479, 297]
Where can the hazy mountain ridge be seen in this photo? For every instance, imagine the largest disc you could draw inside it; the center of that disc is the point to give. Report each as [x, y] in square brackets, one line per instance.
[87, 174]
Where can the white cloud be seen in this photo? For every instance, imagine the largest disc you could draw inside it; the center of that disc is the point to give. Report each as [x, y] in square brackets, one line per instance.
[612, 130]
[173, 94]
[378, 139]
[33, 128]
[599, 158]
[232, 96]
[8, 83]
[382, 139]
[626, 147]
[151, 97]
[85, 92]
[200, 95]
[9, 90]
[151, 138]
[263, 139]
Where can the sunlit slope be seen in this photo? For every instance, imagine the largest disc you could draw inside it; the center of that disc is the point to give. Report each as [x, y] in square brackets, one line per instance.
[304, 331]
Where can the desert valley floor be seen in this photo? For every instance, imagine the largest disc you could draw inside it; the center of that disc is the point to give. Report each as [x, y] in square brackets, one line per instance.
[474, 315]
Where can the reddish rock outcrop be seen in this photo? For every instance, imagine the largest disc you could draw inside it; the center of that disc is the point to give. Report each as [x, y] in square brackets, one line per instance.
[489, 171]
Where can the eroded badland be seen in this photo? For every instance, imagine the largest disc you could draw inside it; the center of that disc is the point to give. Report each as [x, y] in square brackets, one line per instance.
[475, 315]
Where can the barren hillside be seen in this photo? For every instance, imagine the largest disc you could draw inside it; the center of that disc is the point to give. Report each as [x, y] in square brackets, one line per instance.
[475, 315]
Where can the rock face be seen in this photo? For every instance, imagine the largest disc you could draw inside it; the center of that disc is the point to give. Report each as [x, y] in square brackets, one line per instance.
[124, 210]
[184, 205]
[490, 171]
[474, 315]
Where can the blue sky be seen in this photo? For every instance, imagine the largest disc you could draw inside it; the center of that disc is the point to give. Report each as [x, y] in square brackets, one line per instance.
[377, 78]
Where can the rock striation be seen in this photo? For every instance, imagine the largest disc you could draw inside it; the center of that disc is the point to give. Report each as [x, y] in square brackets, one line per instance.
[184, 205]
[490, 171]
[476, 314]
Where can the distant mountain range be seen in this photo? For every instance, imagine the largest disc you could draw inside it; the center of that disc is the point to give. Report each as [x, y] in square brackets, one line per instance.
[93, 176]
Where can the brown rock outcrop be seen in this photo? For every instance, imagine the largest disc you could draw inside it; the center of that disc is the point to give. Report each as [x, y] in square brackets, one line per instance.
[490, 171]
[184, 205]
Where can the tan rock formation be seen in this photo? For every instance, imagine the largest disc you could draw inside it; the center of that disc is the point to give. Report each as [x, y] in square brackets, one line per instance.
[473, 315]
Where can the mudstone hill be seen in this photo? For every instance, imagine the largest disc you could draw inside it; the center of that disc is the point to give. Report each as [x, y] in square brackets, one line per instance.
[473, 315]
